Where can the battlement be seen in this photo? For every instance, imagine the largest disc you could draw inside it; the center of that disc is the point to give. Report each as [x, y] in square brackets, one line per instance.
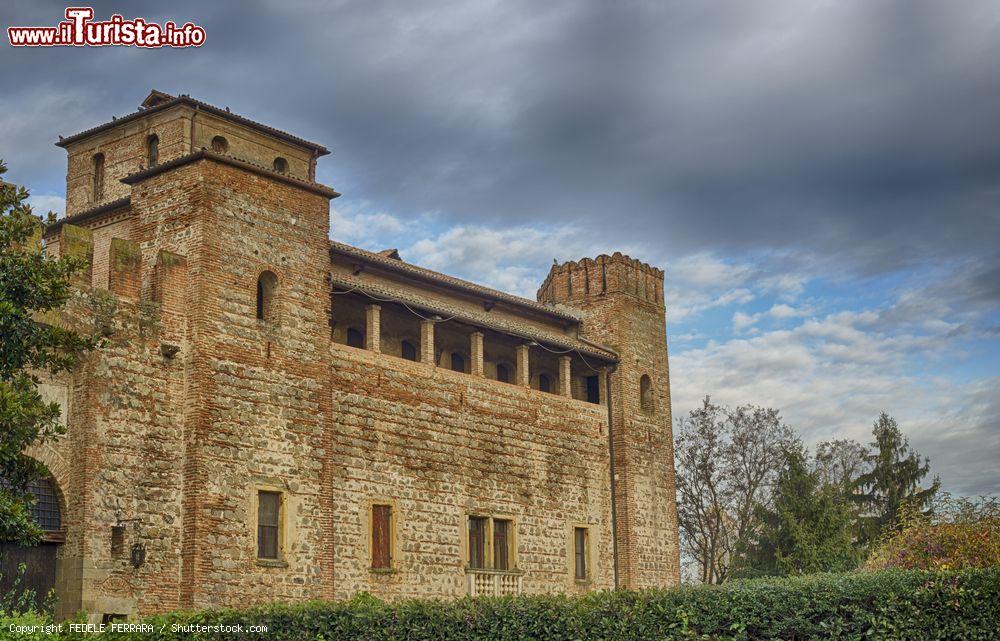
[578, 280]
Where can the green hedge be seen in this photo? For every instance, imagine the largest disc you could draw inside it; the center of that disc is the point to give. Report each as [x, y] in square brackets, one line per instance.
[885, 605]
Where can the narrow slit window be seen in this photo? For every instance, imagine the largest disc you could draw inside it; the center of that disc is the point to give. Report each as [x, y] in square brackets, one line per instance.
[267, 286]
[98, 177]
[646, 400]
[477, 542]
[381, 536]
[268, 524]
[580, 543]
[152, 150]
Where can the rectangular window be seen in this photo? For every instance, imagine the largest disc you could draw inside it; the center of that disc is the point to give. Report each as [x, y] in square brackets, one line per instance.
[593, 389]
[580, 551]
[501, 544]
[381, 536]
[477, 542]
[268, 523]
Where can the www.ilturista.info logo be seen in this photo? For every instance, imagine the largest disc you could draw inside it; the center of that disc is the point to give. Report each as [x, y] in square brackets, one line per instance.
[79, 30]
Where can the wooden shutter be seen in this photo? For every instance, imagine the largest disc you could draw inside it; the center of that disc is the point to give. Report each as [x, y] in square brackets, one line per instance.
[381, 536]
[477, 541]
[580, 551]
[501, 545]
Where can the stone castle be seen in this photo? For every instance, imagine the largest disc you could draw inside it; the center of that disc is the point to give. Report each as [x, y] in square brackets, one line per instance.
[277, 416]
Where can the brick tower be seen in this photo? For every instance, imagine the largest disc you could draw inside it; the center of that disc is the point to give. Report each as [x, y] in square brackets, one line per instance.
[622, 300]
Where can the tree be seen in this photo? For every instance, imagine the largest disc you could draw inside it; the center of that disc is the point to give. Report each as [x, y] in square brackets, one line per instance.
[893, 479]
[808, 530]
[31, 284]
[726, 461]
[839, 463]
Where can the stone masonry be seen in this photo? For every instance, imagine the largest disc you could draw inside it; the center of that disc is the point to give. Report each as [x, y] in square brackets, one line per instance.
[247, 355]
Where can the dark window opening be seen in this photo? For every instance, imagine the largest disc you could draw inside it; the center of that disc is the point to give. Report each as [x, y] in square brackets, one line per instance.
[45, 510]
[267, 285]
[593, 389]
[477, 542]
[580, 552]
[408, 350]
[280, 165]
[112, 618]
[268, 523]
[117, 541]
[355, 338]
[457, 362]
[381, 536]
[501, 544]
[98, 176]
[220, 145]
[544, 383]
[152, 150]
[503, 373]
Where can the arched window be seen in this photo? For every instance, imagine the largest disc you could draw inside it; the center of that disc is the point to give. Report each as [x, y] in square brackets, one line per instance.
[408, 351]
[152, 150]
[280, 164]
[220, 145]
[267, 288]
[544, 383]
[457, 362]
[98, 177]
[646, 400]
[503, 373]
[355, 338]
[45, 511]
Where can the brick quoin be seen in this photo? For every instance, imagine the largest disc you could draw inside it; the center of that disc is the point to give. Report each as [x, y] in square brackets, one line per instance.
[216, 383]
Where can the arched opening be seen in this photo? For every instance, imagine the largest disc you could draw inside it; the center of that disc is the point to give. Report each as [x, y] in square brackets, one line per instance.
[281, 165]
[457, 362]
[408, 351]
[267, 288]
[544, 383]
[39, 560]
[355, 338]
[152, 150]
[220, 145]
[98, 177]
[646, 400]
[503, 373]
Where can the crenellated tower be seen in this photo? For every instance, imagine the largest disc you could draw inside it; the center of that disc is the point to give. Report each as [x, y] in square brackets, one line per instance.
[622, 302]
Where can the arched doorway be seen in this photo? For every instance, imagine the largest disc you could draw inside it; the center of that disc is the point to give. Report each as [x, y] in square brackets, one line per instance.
[39, 560]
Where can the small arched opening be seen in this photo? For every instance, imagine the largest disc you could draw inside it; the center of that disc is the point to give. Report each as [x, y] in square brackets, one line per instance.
[281, 165]
[267, 290]
[646, 401]
[220, 145]
[152, 150]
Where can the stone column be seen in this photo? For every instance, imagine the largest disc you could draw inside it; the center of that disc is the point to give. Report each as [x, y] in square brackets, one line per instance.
[476, 350]
[373, 328]
[523, 376]
[565, 376]
[427, 342]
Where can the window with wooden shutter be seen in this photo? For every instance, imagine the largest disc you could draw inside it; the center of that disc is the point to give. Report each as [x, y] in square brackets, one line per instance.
[268, 524]
[381, 536]
[477, 542]
[501, 544]
[580, 551]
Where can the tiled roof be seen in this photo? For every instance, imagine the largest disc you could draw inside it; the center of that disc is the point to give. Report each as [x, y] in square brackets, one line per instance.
[88, 214]
[380, 291]
[204, 106]
[402, 267]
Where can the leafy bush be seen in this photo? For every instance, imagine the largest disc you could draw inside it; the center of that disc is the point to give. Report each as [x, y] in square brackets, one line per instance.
[956, 534]
[892, 605]
[26, 626]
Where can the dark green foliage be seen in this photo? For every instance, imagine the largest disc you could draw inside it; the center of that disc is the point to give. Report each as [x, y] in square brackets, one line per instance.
[894, 605]
[31, 285]
[808, 530]
[892, 481]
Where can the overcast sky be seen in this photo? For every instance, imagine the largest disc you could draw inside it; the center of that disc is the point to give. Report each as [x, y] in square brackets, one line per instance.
[820, 180]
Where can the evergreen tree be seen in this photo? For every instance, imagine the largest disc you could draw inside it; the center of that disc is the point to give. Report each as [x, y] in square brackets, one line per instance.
[807, 530]
[893, 479]
[31, 284]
